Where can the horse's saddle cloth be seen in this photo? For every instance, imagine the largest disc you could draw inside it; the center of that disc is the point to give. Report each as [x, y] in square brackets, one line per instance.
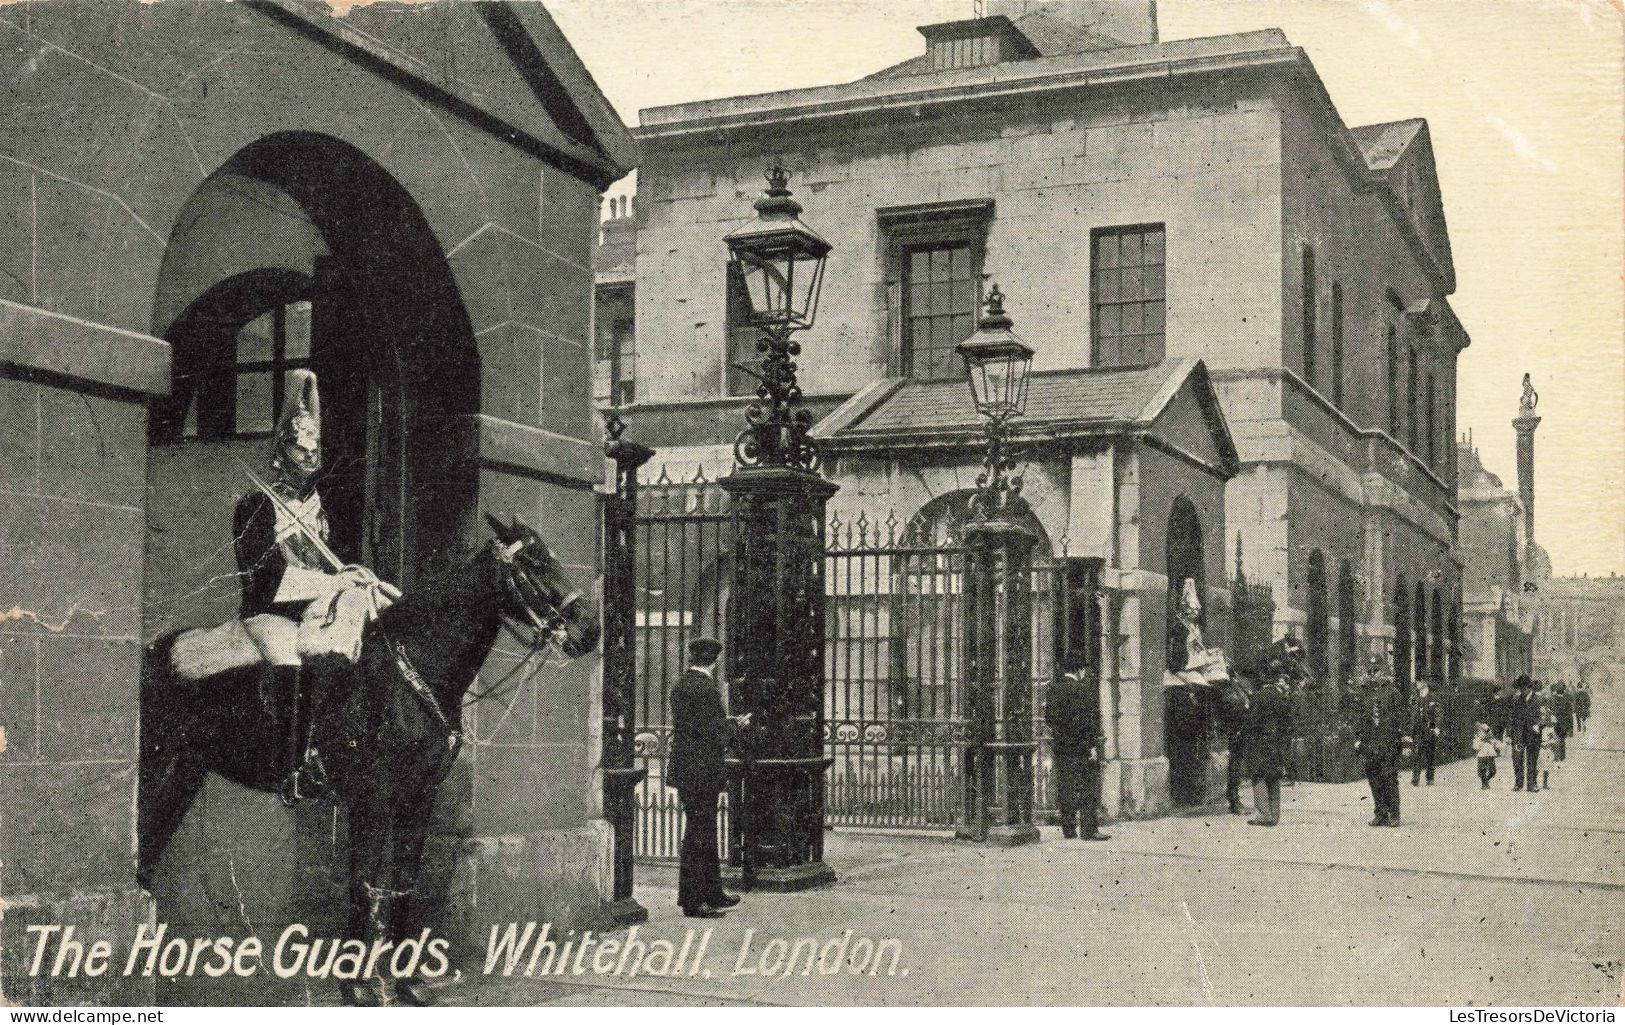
[209, 651]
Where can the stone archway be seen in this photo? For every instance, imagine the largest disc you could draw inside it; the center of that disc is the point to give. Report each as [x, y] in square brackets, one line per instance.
[1187, 716]
[299, 250]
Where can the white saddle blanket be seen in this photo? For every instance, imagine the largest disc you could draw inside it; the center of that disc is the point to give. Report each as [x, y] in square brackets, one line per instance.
[331, 627]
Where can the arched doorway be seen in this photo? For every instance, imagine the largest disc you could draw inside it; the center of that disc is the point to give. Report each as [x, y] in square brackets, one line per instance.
[1318, 631]
[1402, 635]
[1187, 711]
[300, 251]
[1347, 613]
[1419, 633]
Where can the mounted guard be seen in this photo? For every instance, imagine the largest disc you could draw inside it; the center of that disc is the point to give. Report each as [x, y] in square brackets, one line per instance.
[303, 606]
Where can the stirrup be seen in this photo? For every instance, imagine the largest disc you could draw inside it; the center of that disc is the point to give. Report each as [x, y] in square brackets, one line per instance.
[308, 780]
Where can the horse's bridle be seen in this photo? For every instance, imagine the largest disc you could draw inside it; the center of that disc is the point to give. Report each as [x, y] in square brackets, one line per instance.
[516, 580]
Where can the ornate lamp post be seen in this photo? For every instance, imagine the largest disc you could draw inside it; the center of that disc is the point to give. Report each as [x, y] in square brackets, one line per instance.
[998, 797]
[776, 613]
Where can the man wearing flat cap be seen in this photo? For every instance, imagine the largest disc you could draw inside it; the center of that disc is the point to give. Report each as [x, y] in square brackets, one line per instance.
[700, 734]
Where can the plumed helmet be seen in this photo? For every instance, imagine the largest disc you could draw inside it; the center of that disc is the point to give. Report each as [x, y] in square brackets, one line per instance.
[301, 419]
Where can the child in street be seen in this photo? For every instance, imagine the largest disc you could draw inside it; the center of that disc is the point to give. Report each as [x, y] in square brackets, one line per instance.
[1549, 742]
[1488, 748]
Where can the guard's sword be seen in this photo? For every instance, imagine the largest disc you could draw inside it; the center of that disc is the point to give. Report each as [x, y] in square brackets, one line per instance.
[310, 534]
[299, 524]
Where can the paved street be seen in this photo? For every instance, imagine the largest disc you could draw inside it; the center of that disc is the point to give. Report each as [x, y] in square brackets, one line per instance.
[1479, 898]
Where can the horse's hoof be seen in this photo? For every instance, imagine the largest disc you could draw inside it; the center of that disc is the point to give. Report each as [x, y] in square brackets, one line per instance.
[414, 993]
[362, 994]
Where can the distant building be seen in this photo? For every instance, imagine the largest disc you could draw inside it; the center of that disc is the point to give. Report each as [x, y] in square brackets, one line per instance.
[1184, 215]
[1580, 635]
[1497, 641]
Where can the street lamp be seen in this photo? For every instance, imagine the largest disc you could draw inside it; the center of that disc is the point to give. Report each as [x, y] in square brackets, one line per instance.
[997, 606]
[996, 368]
[775, 622]
[780, 262]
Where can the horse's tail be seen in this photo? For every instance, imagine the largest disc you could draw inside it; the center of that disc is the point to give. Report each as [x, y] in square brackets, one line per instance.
[168, 781]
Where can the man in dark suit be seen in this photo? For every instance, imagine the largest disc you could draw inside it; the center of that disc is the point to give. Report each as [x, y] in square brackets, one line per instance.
[700, 734]
[1424, 732]
[1378, 739]
[1072, 710]
[1562, 705]
[1523, 722]
[1582, 707]
[1269, 738]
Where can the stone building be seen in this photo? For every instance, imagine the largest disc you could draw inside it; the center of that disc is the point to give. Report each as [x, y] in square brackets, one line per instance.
[1580, 632]
[1145, 205]
[194, 198]
[1497, 637]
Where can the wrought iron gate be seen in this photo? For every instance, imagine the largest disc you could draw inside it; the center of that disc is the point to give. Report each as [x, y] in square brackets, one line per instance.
[896, 718]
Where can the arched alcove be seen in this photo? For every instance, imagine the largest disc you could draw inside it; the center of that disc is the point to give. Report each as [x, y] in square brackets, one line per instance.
[1187, 716]
[1318, 628]
[1347, 614]
[299, 251]
[1402, 634]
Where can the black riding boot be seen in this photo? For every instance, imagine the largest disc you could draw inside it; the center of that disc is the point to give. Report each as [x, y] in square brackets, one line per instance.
[306, 776]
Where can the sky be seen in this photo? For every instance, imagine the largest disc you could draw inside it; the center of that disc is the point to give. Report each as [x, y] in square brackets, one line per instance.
[1525, 100]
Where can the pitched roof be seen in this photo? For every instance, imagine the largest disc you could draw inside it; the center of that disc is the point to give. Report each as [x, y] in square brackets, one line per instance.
[1060, 403]
[1049, 35]
[1383, 144]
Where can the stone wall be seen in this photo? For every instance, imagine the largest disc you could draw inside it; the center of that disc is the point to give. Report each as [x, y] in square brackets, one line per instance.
[1201, 157]
[121, 119]
[72, 456]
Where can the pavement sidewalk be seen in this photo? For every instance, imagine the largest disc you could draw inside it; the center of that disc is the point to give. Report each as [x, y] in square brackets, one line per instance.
[1480, 897]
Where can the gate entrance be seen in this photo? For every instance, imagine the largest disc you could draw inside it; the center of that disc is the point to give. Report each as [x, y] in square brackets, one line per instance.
[896, 718]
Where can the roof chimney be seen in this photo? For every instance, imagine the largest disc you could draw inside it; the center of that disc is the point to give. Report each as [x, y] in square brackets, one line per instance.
[1127, 21]
[974, 43]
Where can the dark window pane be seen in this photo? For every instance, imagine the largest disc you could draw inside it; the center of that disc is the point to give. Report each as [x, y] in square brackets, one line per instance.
[1130, 242]
[940, 264]
[1155, 286]
[1133, 283]
[1153, 317]
[1153, 247]
[1106, 251]
[964, 295]
[255, 340]
[1110, 321]
[298, 331]
[1106, 286]
[961, 263]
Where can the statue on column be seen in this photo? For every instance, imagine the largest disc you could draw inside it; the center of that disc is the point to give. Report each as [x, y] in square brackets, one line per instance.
[1531, 398]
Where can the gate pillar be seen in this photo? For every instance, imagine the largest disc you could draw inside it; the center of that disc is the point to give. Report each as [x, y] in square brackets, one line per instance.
[998, 795]
[621, 777]
[775, 626]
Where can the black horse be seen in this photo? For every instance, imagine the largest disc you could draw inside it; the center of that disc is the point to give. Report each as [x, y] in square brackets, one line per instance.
[387, 741]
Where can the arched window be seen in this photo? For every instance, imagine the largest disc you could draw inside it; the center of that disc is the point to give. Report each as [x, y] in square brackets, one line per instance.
[1440, 638]
[1184, 557]
[1419, 631]
[1347, 613]
[1317, 641]
[1402, 633]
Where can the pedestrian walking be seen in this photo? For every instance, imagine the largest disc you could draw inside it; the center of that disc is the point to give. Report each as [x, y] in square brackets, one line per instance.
[1488, 748]
[1562, 712]
[1072, 710]
[701, 732]
[1552, 743]
[1424, 733]
[1378, 739]
[1582, 707]
[1269, 739]
[1523, 725]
